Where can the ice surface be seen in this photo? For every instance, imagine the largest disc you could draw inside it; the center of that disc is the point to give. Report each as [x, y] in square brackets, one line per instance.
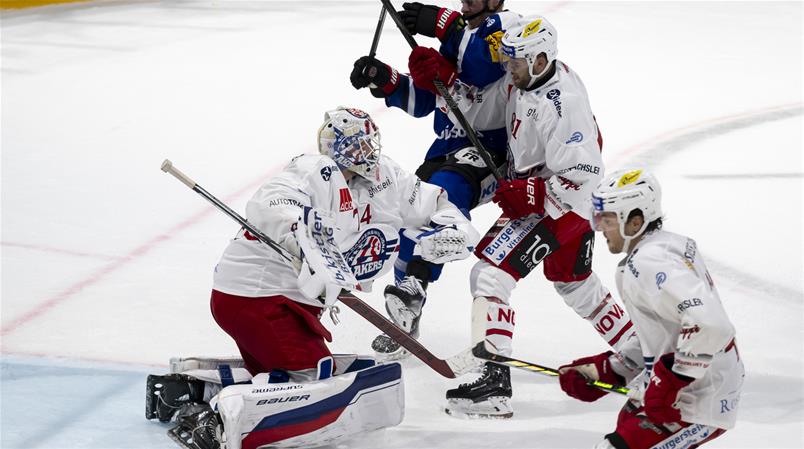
[106, 261]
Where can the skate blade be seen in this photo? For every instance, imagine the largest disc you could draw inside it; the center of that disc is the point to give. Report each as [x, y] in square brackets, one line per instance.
[493, 408]
[182, 437]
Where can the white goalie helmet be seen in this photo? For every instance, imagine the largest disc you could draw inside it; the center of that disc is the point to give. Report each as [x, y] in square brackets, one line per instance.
[351, 138]
[623, 191]
[527, 39]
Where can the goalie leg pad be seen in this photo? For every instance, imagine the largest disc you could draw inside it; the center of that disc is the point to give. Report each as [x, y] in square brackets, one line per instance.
[314, 413]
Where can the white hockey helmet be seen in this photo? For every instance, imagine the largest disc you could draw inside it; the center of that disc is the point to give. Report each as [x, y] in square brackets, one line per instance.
[351, 138]
[527, 39]
[623, 191]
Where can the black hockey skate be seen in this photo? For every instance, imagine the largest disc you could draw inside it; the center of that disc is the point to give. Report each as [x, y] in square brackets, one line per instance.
[198, 427]
[487, 397]
[164, 395]
[403, 303]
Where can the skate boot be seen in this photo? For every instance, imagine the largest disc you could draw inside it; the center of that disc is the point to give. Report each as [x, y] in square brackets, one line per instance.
[165, 395]
[403, 302]
[487, 397]
[198, 427]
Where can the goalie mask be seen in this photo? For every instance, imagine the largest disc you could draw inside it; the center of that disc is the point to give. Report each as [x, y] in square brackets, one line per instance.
[350, 137]
[530, 37]
[621, 192]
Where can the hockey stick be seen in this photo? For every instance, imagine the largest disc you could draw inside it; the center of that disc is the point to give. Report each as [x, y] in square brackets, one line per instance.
[481, 352]
[377, 33]
[451, 103]
[449, 368]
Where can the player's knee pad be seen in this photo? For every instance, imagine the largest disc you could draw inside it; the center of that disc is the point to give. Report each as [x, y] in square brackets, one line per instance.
[493, 323]
[313, 413]
[490, 281]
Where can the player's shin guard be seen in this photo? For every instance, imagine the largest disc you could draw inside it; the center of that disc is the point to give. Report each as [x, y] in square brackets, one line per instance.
[314, 413]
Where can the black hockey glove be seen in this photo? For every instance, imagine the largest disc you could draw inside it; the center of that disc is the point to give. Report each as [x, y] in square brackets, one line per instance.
[371, 72]
[429, 20]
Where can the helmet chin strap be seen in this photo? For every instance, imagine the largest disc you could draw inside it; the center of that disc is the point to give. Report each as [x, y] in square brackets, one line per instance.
[627, 239]
[538, 76]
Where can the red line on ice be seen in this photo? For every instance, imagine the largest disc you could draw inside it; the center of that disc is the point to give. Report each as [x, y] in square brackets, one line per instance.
[120, 262]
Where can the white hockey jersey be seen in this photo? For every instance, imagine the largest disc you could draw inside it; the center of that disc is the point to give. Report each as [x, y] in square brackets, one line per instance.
[368, 216]
[675, 308]
[552, 134]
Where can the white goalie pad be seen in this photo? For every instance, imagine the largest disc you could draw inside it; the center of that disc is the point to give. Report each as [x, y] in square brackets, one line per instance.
[311, 414]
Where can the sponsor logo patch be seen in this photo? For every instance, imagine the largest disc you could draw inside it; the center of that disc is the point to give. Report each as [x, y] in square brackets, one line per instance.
[575, 137]
[346, 200]
[326, 173]
[629, 178]
[687, 303]
[660, 278]
[555, 96]
[532, 28]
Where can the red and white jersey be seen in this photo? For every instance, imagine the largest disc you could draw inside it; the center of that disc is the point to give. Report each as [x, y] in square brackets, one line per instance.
[675, 308]
[552, 134]
[367, 214]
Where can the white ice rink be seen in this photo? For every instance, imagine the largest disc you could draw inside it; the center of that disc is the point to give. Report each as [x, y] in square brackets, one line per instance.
[107, 261]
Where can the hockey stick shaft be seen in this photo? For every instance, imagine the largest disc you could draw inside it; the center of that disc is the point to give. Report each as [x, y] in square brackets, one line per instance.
[377, 33]
[168, 167]
[451, 103]
[440, 366]
[481, 352]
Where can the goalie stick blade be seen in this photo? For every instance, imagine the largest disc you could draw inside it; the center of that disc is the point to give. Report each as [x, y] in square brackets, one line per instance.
[481, 352]
[440, 366]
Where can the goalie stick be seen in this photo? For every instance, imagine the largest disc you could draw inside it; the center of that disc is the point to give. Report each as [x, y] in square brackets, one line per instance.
[450, 368]
[451, 103]
[481, 352]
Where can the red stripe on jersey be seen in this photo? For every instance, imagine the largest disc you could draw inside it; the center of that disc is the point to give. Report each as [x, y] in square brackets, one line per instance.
[616, 338]
[503, 332]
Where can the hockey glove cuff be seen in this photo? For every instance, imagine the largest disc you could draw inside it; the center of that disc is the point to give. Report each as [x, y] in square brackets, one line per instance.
[521, 197]
[431, 21]
[574, 377]
[426, 65]
[662, 393]
[371, 72]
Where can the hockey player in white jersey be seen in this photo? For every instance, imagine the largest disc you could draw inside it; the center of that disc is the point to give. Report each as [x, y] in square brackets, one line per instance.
[554, 162]
[348, 202]
[467, 62]
[688, 377]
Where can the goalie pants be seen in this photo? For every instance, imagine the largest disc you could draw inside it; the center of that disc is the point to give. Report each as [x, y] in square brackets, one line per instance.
[634, 431]
[272, 332]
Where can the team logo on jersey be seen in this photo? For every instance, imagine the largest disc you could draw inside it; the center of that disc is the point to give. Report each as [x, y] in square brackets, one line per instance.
[495, 41]
[326, 173]
[346, 200]
[369, 254]
[576, 137]
[629, 178]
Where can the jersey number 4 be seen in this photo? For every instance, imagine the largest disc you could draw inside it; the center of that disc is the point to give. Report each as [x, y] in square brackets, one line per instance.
[366, 217]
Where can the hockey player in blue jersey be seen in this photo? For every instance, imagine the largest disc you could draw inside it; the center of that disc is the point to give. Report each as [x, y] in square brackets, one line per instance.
[467, 63]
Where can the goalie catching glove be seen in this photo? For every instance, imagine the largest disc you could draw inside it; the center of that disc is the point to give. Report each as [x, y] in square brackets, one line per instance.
[451, 237]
